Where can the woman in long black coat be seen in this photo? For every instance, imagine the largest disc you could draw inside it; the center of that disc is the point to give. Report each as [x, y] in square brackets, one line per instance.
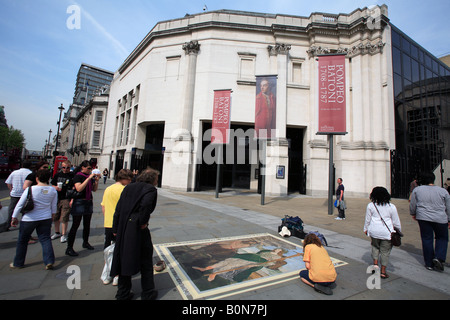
[133, 251]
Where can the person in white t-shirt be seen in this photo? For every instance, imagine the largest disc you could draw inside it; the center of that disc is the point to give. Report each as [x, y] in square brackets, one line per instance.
[15, 185]
[45, 199]
[381, 218]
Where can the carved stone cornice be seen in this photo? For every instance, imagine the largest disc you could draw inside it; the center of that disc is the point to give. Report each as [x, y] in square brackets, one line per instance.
[360, 49]
[279, 48]
[315, 51]
[191, 47]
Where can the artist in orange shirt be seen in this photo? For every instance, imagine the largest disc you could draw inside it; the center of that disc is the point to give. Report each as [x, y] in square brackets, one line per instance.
[265, 110]
[320, 272]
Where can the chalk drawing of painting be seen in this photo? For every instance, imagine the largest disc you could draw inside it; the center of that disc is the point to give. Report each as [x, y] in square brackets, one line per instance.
[218, 268]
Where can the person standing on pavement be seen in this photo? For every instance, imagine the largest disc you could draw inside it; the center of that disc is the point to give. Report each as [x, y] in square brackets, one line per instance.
[133, 251]
[105, 175]
[45, 199]
[378, 210]
[62, 181]
[15, 183]
[31, 181]
[85, 182]
[430, 207]
[340, 197]
[109, 202]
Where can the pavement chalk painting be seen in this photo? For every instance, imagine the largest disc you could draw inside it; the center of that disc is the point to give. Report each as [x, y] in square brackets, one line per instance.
[218, 268]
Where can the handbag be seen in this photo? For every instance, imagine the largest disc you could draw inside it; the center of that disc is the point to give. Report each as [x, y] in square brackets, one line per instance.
[336, 203]
[396, 237]
[29, 204]
[73, 194]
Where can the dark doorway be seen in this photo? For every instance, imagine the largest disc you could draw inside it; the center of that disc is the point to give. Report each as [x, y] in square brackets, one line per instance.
[297, 170]
[153, 154]
[236, 170]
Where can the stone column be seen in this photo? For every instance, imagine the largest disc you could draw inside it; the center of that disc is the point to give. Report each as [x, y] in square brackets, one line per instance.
[191, 49]
[178, 159]
[277, 149]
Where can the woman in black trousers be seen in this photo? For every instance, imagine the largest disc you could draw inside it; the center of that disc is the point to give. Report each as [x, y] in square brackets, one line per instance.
[85, 182]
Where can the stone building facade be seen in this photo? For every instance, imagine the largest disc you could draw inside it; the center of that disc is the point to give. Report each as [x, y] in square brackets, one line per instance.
[161, 99]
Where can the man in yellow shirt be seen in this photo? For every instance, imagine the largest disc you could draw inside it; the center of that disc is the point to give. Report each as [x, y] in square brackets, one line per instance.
[110, 198]
[320, 272]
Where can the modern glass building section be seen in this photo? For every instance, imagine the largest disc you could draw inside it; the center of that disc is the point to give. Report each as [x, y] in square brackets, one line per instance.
[422, 112]
[90, 79]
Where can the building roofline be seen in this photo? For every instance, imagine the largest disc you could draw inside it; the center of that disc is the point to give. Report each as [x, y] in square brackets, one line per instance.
[279, 22]
[94, 67]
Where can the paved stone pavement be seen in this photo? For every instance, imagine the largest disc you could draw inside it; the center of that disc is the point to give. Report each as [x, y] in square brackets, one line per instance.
[196, 216]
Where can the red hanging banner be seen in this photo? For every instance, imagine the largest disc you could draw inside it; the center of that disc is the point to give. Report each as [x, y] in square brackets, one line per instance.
[221, 117]
[266, 107]
[332, 95]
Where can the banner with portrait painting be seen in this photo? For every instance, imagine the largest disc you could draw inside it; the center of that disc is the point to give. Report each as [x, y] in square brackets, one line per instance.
[266, 107]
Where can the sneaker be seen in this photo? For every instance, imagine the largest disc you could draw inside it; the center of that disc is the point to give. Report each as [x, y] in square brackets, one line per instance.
[56, 236]
[49, 267]
[63, 238]
[438, 265]
[12, 266]
[116, 281]
[107, 281]
[338, 218]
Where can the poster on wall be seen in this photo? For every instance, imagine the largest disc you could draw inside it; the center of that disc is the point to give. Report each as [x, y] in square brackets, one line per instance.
[332, 95]
[266, 107]
[221, 117]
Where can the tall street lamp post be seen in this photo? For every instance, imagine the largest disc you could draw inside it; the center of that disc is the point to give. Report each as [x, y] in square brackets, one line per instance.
[55, 153]
[48, 144]
[441, 145]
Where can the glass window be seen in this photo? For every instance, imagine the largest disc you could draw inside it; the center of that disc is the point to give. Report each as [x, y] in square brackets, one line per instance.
[406, 66]
[428, 61]
[396, 60]
[406, 46]
[415, 71]
[398, 88]
[396, 38]
[421, 56]
[414, 51]
[435, 66]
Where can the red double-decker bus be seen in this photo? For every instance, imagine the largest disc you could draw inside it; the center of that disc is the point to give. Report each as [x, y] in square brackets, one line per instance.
[9, 161]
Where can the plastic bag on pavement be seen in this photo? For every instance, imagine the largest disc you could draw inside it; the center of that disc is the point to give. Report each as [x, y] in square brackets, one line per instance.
[3, 219]
[108, 254]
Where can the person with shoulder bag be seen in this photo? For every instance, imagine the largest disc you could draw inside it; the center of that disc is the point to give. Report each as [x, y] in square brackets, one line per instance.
[380, 222]
[85, 182]
[39, 218]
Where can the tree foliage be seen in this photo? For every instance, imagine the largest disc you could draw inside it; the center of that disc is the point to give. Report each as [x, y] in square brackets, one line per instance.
[11, 138]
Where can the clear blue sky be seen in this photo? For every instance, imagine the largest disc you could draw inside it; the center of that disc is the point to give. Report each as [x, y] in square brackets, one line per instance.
[40, 56]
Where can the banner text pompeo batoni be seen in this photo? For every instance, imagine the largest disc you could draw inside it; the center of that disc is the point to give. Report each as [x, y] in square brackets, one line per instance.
[221, 117]
[332, 95]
